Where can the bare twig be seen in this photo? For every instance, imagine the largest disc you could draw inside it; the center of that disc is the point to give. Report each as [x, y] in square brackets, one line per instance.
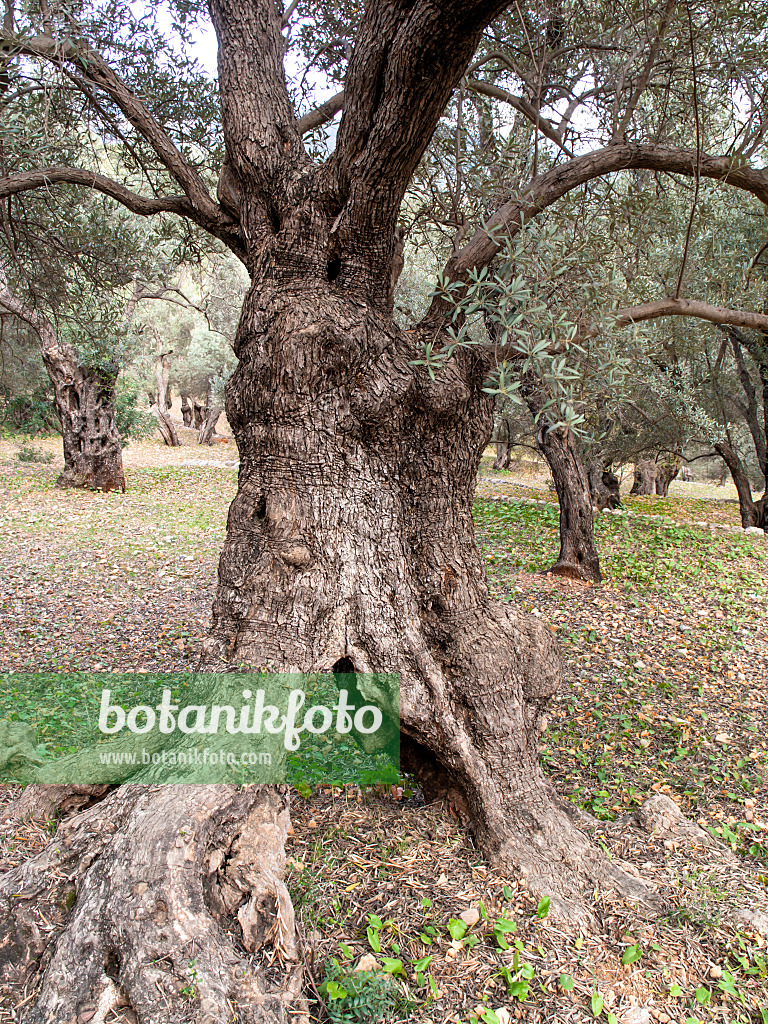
[697, 173]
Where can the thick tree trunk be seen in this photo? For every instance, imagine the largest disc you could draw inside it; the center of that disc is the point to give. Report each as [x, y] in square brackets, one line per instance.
[176, 934]
[351, 544]
[85, 398]
[645, 478]
[578, 558]
[753, 513]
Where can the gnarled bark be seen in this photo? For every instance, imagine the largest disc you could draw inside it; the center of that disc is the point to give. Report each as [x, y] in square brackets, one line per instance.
[185, 931]
[85, 400]
[667, 468]
[604, 486]
[351, 542]
[645, 478]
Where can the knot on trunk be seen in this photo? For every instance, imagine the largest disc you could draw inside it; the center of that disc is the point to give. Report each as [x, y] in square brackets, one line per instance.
[296, 555]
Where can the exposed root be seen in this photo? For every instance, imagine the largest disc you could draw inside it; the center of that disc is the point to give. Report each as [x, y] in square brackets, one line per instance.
[168, 900]
[40, 802]
[570, 571]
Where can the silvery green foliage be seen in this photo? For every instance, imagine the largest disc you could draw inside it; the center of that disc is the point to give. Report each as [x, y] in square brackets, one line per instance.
[682, 389]
[526, 311]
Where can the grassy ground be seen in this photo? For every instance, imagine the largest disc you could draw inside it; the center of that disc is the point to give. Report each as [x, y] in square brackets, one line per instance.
[665, 690]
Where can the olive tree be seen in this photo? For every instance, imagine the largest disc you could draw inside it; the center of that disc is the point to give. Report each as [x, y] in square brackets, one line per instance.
[350, 544]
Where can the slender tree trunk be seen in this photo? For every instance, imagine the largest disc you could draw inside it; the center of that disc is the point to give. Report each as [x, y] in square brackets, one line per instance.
[186, 410]
[503, 443]
[208, 429]
[578, 558]
[753, 513]
[756, 429]
[164, 421]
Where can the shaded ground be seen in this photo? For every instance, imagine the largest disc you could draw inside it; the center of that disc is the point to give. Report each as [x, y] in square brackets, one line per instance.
[667, 671]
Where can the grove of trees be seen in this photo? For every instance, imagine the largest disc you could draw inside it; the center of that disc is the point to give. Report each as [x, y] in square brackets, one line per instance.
[554, 169]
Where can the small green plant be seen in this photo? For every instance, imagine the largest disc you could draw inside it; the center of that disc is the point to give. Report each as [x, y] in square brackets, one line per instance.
[519, 978]
[189, 991]
[457, 929]
[501, 929]
[631, 954]
[703, 995]
[359, 997]
[375, 924]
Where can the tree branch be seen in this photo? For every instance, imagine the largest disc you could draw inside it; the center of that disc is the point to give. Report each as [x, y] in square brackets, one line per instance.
[321, 115]
[407, 60]
[49, 339]
[27, 180]
[690, 307]
[653, 53]
[547, 188]
[524, 107]
[264, 151]
[94, 69]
